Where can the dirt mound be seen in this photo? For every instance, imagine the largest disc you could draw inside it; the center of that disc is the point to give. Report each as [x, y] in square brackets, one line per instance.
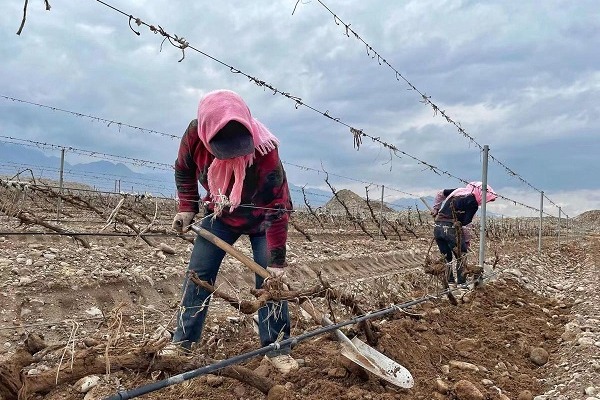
[488, 340]
[589, 217]
[355, 204]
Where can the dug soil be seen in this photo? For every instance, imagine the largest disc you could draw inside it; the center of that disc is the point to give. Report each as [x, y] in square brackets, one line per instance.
[506, 339]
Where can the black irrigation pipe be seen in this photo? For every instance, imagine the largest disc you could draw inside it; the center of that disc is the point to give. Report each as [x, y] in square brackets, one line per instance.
[291, 342]
[122, 395]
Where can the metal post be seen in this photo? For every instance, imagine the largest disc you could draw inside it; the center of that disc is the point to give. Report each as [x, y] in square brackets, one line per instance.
[541, 219]
[559, 214]
[60, 182]
[567, 229]
[381, 213]
[483, 206]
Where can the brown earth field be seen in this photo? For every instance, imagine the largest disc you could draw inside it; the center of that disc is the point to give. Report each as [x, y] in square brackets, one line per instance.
[532, 331]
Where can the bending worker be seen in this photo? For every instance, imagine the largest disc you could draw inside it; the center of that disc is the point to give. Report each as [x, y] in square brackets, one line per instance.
[453, 210]
[235, 159]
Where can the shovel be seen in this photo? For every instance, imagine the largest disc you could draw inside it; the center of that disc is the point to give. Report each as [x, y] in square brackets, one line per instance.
[426, 204]
[355, 350]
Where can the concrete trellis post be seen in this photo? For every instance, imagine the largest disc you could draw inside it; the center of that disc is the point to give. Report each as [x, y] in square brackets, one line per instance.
[60, 182]
[541, 221]
[483, 206]
[381, 213]
[559, 215]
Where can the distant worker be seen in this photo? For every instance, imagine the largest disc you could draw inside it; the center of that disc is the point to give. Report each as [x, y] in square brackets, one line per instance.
[453, 210]
[235, 158]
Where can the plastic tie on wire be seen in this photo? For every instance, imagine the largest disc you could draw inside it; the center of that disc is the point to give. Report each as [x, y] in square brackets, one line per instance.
[220, 201]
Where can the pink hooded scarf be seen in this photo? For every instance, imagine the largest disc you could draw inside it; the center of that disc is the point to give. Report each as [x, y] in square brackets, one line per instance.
[475, 188]
[215, 110]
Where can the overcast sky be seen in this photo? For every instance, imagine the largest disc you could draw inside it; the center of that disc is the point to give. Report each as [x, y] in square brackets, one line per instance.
[520, 76]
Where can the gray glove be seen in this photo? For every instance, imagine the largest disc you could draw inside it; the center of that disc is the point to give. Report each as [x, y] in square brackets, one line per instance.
[277, 279]
[183, 220]
[276, 272]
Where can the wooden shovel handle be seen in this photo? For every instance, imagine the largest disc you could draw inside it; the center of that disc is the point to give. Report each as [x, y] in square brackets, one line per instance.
[426, 204]
[256, 268]
[232, 251]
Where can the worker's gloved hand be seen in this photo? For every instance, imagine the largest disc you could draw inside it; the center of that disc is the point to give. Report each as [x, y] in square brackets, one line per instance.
[434, 212]
[182, 221]
[276, 272]
[276, 280]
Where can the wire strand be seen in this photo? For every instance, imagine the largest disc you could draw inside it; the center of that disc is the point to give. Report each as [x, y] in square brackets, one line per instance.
[372, 53]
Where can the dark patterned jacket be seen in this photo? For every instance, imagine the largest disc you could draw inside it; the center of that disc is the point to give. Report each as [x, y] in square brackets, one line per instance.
[465, 208]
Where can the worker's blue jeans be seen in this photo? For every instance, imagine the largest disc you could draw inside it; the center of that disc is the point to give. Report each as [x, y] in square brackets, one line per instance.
[445, 237]
[274, 323]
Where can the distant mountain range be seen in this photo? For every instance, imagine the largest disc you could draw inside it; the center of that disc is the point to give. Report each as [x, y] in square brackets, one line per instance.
[109, 176]
[100, 175]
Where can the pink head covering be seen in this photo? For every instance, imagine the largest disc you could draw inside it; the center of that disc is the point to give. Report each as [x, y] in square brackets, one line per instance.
[215, 110]
[475, 188]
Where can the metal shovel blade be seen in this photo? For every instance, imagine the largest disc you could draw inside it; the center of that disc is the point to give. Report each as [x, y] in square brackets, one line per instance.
[377, 363]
